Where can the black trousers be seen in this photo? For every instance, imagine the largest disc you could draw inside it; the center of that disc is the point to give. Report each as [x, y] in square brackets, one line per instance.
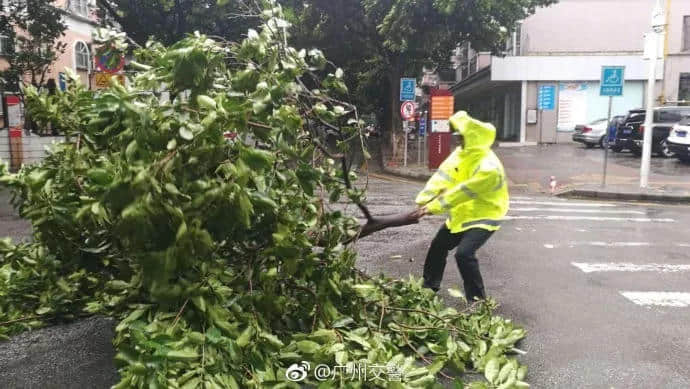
[467, 242]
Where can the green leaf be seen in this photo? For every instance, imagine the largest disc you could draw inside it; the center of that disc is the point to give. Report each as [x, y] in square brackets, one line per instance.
[343, 322]
[206, 102]
[182, 355]
[521, 372]
[456, 293]
[491, 370]
[272, 339]
[43, 310]
[186, 134]
[308, 346]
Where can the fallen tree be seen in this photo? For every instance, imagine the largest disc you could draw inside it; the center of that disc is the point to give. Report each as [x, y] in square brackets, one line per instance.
[222, 259]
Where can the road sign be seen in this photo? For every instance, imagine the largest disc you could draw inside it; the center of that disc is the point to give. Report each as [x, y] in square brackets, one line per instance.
[62, 83]
[407, 110]
[407, 89]
[109, 60]
[102, 80]
[422, 125]
[546, 101]
[612, 78]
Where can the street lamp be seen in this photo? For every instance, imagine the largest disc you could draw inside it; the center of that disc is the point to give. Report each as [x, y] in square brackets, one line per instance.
[651, 51]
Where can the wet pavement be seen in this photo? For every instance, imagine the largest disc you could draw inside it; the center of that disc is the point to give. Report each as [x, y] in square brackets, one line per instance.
[603, 288]
[573, 164]
[530, 168]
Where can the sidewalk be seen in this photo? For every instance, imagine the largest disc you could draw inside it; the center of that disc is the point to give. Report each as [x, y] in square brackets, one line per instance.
[578, 172]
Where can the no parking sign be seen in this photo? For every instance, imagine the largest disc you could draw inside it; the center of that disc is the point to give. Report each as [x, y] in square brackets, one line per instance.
[407, 110]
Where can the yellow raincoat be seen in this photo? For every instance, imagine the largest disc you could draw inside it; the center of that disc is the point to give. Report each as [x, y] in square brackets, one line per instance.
[470, 185]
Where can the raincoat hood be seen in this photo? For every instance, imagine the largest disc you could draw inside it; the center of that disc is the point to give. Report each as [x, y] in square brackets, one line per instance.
[479, 136]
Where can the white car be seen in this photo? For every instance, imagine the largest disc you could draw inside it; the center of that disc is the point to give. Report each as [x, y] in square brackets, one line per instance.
[678, 140]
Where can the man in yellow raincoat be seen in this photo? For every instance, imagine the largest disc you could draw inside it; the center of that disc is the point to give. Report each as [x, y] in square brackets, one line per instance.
[470, 188]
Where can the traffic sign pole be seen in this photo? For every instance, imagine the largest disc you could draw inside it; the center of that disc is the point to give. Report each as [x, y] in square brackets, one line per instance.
[606, 143]
[610, 84]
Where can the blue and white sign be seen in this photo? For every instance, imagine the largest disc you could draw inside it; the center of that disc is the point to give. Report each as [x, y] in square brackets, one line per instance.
[546, 101]
[407, 89]
[62, 83]
[422, 125]
[612, 78]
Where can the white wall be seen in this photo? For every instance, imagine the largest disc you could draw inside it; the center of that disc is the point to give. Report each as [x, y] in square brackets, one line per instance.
[33, 147]
[588, 26]
[571, 67]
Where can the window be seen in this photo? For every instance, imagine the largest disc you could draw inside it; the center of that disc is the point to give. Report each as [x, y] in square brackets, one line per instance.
[80, 7]
[4, 45]
[82, 59]
[684, 87]
[686, 33]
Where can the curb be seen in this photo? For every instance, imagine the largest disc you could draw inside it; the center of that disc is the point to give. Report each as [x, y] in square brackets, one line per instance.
[409, 176]
[627, 196]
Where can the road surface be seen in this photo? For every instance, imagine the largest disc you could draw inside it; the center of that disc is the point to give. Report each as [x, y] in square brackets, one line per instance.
[602, 288]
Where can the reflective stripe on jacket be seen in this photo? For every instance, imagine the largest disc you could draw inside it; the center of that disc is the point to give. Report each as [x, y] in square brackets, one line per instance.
[470, 185]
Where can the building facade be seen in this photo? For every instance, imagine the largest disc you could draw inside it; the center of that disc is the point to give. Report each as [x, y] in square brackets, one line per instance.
[565, 46]
[81, 21]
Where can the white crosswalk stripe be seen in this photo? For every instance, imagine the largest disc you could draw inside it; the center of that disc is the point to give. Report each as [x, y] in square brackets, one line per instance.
[614, 244]
[629, 267]
[592, 218]
[561, 203]
[548, 210]
[575, 210]
[661, 299]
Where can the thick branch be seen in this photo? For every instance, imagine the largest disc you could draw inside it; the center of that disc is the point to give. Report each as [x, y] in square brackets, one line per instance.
[375, 224]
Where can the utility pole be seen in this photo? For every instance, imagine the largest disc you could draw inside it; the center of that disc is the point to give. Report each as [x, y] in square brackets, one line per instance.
[651, 49]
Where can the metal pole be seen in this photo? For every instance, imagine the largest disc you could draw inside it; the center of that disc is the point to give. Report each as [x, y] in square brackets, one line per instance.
[419, 149]
[649, 119]
[541, 124]
[405, 127]
[652, 42]
[606, 143]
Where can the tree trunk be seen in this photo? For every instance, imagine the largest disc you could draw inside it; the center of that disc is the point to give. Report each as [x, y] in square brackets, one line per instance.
[393, 123]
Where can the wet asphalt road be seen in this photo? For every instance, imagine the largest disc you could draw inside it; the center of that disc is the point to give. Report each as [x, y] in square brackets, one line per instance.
[583, 331]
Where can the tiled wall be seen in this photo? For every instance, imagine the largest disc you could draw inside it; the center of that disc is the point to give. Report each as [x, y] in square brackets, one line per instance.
[33, 147]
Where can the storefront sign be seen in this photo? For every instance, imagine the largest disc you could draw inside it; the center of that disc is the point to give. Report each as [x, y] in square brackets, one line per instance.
[440, 126]
[442, 107]
[572, 105]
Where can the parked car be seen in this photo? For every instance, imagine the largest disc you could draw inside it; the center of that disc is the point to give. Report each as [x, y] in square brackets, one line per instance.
[625, 133]
[679, 140]
[663, 121]
[615, 122]
[591, 134]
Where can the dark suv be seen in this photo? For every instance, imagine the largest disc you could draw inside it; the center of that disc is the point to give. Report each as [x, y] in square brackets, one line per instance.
[631, 133]
[664, 120]
[627, 132]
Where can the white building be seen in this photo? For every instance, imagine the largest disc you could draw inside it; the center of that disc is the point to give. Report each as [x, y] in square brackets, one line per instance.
[565, 46]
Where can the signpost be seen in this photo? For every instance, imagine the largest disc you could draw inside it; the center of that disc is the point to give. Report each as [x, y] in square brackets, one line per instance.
[408, 86]
[407, 111]
[421, 134]
[546, 101]
[611, 84]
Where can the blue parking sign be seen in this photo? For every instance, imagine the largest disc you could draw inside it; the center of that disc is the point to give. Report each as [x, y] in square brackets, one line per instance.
[407, 89]
[422, 125]
[612, 79]
[546, 100]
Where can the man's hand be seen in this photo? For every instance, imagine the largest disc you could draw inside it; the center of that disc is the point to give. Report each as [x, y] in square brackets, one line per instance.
[419, 213]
